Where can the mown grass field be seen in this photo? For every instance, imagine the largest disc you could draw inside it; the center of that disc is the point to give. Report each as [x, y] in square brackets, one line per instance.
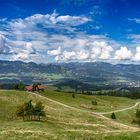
[61, 123]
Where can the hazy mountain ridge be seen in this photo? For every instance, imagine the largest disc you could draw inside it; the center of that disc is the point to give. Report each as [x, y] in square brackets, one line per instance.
[98, 72]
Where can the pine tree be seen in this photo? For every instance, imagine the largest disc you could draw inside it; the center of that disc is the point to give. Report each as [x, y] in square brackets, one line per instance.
[29, 110]
[73, 95]
[113, 116]
[34, 87]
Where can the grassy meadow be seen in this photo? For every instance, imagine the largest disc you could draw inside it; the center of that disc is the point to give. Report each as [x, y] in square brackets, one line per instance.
[62, 123]
[104, 103]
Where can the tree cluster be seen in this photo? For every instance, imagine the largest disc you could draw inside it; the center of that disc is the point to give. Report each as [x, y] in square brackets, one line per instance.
[20, 86]
[28, 111]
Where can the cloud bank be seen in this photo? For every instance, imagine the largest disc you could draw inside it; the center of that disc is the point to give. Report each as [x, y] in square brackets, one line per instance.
[4, 48]
[59, 38]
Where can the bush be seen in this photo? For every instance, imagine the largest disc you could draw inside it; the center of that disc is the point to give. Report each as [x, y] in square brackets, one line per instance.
[113, 116]
[94, 102]
[135, 121]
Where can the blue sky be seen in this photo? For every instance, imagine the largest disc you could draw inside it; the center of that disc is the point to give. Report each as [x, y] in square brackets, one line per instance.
[47, 31]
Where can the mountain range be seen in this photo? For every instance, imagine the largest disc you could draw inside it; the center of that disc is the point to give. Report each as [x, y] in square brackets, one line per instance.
[99, 73]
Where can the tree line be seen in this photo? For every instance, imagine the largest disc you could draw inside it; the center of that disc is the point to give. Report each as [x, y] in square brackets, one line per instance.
[133, 94]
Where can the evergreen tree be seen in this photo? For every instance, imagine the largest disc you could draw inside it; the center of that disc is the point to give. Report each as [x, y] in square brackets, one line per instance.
[73, 95]
[29, 110]
[34, 87]
[113, 116]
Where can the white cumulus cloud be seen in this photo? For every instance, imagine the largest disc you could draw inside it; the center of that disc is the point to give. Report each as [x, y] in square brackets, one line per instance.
[4, 49]
[100, 50]
[37, 37]
[82, 55]
[72, 20]
[137, 55]
[55, 52]
[25, 54]
[30, 48]
[48, 20]
[123, 54]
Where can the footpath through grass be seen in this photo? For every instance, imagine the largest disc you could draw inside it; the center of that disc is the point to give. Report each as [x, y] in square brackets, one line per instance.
[61, 123]
[104, 103]
[127, 116]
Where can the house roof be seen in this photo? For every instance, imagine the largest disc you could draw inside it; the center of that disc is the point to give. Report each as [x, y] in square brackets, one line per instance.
[29, 88]
[41, 87]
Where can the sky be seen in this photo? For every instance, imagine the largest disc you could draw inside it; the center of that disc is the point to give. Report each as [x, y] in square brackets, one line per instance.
[48, 31]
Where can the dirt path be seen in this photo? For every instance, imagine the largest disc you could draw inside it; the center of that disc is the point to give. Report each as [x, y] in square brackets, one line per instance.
[100, 114]
[62, 104]
[120, 110]
[96, 113]
[108, 131]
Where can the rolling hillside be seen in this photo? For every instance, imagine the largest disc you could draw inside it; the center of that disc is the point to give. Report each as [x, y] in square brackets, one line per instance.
[64, 120]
